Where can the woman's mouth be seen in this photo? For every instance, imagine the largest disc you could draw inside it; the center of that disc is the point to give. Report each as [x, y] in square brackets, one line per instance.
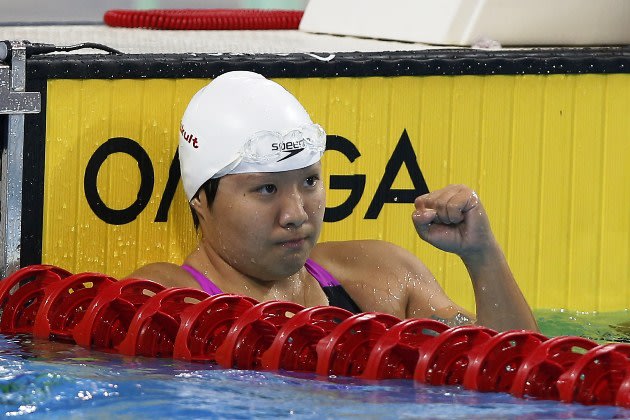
[294, 243]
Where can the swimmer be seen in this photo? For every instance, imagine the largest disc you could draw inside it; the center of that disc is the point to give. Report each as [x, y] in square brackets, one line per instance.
[250, 163]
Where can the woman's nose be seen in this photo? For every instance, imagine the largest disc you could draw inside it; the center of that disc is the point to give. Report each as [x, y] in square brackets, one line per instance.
[292, 212]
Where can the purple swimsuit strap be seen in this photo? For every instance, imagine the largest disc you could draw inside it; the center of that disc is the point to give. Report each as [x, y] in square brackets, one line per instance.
[323, 277]
[206, 284]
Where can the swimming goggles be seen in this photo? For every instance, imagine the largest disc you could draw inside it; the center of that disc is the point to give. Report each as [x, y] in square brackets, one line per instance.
[265, 147]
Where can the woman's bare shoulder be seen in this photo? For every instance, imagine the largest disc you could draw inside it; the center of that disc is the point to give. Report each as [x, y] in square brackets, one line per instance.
[332, 247]
[361, 253]
[167, 274]
[375, 273]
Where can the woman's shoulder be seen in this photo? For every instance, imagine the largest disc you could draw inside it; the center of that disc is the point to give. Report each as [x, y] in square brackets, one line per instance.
[360, 252]
[376, 274]
[167, 274]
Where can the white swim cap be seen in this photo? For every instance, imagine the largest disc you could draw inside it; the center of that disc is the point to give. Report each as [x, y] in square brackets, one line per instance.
[240, 123]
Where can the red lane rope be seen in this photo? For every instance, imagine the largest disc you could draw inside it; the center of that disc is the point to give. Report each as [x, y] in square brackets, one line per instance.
[141, 317]
[205, 19]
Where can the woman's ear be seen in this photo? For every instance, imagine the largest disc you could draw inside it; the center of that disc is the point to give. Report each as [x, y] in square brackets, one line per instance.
[199, 204]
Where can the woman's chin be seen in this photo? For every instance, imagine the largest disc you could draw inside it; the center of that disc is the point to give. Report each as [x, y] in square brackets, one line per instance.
[287, 267]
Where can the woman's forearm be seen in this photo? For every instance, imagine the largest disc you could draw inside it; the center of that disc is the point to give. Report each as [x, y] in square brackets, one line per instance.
[499, 301]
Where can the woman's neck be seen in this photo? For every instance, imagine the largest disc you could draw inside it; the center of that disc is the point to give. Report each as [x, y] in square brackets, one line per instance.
[230, 280]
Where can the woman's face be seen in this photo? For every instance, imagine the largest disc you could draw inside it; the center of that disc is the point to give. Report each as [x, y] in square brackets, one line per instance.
[266, 224]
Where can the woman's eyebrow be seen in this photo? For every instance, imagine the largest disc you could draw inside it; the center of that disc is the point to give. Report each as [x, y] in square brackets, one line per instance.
[258, 177]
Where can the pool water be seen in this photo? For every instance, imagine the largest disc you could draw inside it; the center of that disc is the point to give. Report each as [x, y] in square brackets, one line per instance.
[47, 379]
[601, 327]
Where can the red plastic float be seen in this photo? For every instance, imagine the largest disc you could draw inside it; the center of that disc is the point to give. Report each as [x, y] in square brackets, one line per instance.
[107, 320]
[395, 354]
[205, 19]
[493, 364]
[205, 325]
[623, 393]
[154, 327]
[447, 358]
[537, 375]
[596, 377]
[141, 317]
[345, 351]
[64, 304]
[294, 347]
[22, 293]
[253, 333]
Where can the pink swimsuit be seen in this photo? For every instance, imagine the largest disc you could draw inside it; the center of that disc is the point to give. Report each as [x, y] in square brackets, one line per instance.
[337, 296]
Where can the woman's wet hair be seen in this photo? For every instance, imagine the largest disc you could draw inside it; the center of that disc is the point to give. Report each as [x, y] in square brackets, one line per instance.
[210, 188]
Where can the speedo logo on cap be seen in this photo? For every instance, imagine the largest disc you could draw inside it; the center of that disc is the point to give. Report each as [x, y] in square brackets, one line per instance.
[292, 148]
[189, 137]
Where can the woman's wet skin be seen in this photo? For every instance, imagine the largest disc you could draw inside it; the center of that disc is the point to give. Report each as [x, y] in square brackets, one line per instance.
[260, 229]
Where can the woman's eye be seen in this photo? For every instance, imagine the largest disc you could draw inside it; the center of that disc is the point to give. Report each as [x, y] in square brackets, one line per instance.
[311, 181]
[267, 189]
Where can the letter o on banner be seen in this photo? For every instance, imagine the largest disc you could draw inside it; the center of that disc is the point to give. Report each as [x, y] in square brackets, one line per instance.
[133, 149]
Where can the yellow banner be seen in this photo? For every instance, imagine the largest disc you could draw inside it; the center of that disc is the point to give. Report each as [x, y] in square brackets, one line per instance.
[547, 154]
